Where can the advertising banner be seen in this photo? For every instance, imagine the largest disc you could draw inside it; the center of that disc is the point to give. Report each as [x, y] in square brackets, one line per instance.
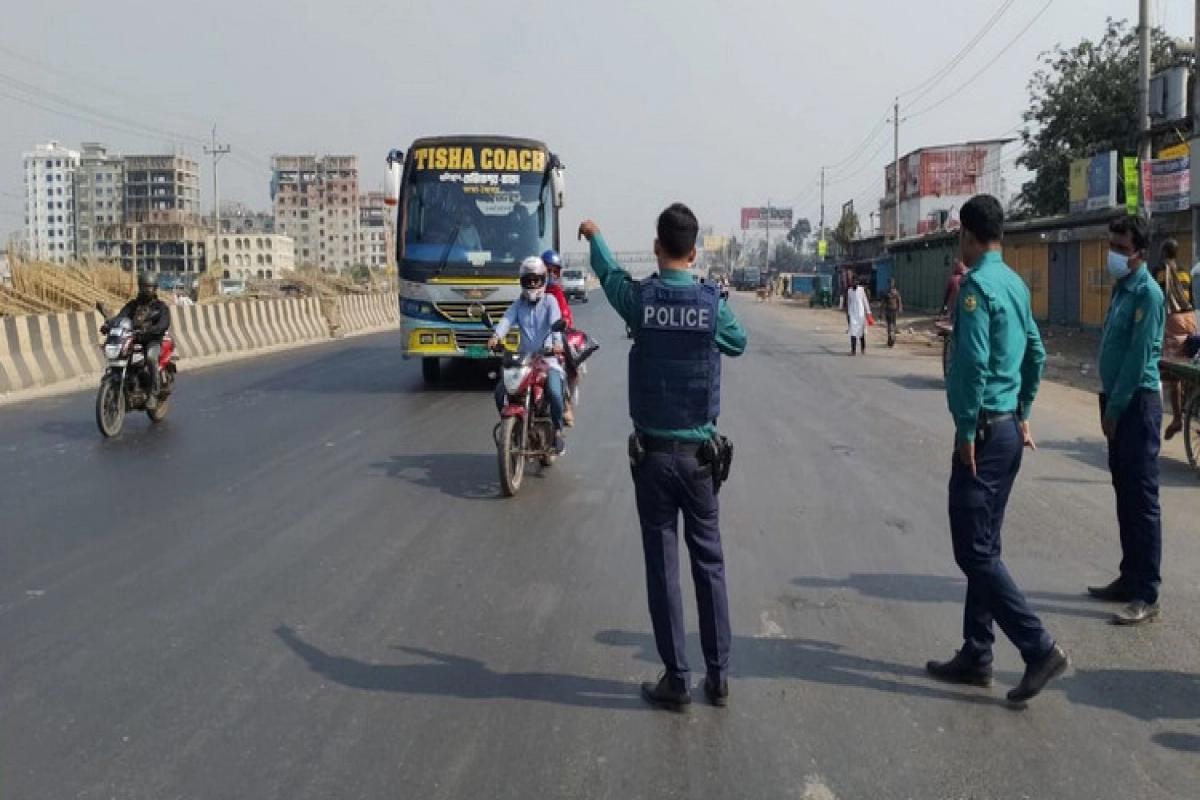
[1093, 183]
[755, 219]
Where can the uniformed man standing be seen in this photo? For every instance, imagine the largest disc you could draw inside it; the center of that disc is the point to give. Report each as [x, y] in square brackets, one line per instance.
[994, 377]
[681, 327]
[1131, 417]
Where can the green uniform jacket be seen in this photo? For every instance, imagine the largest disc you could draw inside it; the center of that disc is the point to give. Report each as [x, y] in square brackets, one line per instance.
[625, 295]
[1132, 342]
[998, 353]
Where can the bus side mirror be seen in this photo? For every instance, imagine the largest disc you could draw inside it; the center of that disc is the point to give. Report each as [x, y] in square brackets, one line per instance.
[558, 186]
[391, 183]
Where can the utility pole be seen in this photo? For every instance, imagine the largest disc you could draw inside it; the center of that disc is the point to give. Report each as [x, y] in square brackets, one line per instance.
[216, 151]
[1195, 136]
[767, 248]
[896, 167]
[1143, 93]
[821, 230]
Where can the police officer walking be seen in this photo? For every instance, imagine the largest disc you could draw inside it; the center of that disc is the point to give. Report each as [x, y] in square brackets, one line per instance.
[993, 379]
[681, 327]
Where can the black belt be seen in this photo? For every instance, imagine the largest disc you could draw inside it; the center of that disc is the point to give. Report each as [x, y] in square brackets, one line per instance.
[677, 446]
[992, 418]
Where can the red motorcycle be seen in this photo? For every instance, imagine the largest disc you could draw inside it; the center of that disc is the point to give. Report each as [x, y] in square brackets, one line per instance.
[525, 430]
[579, 346]
[126, 383]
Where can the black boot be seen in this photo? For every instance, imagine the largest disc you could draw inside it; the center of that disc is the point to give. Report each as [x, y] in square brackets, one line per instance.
[961, 669]
[669, 693]
[717, 690]
[1037, 675]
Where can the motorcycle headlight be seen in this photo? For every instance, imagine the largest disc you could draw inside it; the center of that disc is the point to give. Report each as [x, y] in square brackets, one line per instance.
[513, 378]
[112, 351]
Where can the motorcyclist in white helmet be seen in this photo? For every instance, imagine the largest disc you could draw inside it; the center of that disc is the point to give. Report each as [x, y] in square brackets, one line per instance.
[534, 314]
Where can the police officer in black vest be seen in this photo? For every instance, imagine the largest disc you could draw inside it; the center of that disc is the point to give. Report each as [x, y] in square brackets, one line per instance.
[681, 328]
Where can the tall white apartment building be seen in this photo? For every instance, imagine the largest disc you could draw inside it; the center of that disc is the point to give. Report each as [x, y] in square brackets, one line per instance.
[50, 202]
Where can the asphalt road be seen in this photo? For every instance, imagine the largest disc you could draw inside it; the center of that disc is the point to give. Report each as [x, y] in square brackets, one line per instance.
[304, 585]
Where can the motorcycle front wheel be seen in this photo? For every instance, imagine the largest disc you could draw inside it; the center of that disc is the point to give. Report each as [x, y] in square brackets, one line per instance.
[511, 455]
[110, 408]
[160, 412]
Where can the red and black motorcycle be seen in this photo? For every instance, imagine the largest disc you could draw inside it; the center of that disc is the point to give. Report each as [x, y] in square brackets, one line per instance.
[525, 430]
[126, 383]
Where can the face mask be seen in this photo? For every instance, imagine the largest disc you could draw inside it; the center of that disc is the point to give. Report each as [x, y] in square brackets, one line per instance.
[1118, 265]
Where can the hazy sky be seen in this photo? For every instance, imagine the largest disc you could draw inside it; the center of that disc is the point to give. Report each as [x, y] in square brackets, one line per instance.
[717, 103]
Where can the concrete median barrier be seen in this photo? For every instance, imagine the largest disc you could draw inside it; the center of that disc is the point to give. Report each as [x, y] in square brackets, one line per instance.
[363, 312]
[62, 351]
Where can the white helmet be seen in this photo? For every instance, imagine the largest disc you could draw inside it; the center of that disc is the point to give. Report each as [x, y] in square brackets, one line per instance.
[533, 278]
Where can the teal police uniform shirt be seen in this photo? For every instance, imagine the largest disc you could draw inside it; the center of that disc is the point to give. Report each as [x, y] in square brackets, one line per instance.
[998, 352]
[1132, 342]
[624, 293]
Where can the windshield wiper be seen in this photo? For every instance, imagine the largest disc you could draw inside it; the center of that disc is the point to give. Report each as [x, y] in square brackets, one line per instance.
[449, 247]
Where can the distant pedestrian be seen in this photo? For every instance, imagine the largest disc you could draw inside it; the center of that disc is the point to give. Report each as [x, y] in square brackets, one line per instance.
[950, 296]
[893, 306]
[858, 309]
[1131, 418]
[993, 380]
[1176, 285]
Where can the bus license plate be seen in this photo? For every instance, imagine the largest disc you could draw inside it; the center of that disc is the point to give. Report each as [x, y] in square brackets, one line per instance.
[477, 351]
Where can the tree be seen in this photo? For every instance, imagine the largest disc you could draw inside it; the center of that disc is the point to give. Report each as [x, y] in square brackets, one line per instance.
[799, 232]
[1083, 101]
[756, 256]
[787, 258]
[847, 229]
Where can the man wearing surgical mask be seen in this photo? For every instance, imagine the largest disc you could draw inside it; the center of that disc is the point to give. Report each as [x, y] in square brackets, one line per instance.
[1131, 413]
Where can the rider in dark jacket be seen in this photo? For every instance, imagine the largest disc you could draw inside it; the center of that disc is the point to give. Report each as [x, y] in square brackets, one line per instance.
[151, 319]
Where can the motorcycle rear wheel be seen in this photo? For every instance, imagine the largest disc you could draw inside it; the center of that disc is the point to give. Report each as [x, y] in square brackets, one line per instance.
[511, 455]
[110, 409]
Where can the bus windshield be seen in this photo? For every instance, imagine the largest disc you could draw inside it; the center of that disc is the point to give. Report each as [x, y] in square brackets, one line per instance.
[479, 218]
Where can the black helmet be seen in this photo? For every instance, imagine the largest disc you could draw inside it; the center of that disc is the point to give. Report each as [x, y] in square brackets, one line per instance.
[147, 284]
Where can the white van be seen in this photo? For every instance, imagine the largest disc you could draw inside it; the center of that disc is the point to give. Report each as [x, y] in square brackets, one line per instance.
[574, 284]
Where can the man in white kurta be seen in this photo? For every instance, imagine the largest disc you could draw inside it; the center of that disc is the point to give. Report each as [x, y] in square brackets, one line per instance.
[858, 310]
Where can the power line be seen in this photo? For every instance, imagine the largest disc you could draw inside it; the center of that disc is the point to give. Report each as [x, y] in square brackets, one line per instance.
[879, 127]
[928, 84]
[119, 128]
[30, 88]
[78, 79]
[986, 66]
[867, 163]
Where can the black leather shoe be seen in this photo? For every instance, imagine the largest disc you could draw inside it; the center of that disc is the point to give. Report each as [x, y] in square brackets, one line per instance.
[1039, 674]
[961, 669]
[1115, 592]
[1137, 613]
[669, 693]
[717, 691]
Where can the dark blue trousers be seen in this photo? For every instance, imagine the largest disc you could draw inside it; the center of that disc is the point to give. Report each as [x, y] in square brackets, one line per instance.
[667, 484]
[1133, 462]
[977, 505]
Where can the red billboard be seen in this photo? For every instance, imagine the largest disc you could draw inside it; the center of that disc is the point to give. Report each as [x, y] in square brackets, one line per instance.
[952, 171]
[757, 219]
